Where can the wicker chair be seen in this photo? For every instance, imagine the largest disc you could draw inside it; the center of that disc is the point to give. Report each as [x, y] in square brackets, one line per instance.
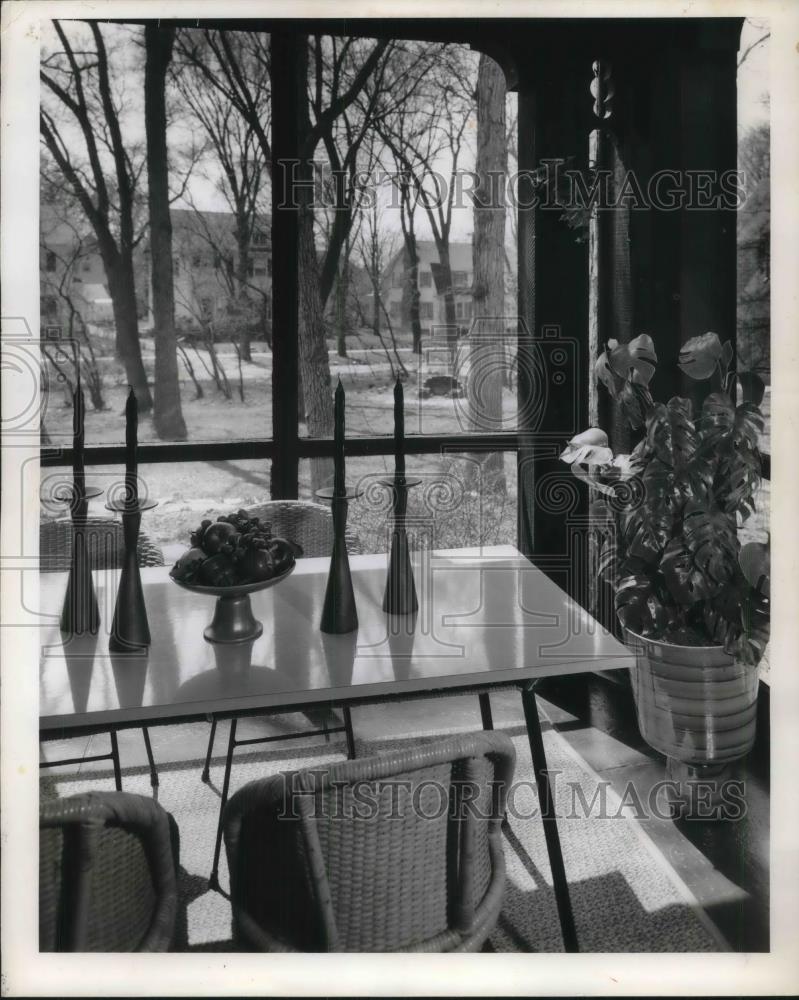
[311, 526]
[104, 540]
[106, 549]
[384, 853]
[107, 874]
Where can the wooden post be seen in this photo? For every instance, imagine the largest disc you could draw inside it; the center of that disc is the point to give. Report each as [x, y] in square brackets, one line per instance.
[286, 82]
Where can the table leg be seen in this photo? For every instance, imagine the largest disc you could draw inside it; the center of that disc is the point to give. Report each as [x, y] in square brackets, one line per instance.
[348, 732]
[213, 881]
[150, 758]
[548, 816]
[115, 759]
[206, 775]
[485, 711]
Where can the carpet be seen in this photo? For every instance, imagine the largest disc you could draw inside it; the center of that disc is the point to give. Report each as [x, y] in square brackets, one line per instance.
[625, 895]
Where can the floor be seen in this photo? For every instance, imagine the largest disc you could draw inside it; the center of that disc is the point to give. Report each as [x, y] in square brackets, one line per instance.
[725, 863]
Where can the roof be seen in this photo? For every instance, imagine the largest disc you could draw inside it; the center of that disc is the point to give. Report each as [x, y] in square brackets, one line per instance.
[216, 227]
[460, 255]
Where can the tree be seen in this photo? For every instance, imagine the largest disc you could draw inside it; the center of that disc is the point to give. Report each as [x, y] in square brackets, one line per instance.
[422, 139]
[241, 169]
[487, 337]
[79, 85]
[167, 413]
[341, 68]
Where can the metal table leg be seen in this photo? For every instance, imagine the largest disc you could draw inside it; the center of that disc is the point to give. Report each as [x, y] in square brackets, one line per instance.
[485, 711]
[548, 816]
[213, 881]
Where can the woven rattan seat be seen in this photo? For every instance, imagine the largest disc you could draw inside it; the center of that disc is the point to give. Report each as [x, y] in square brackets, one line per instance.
[308, 524]
[105, 546]
[107, 874]
[400, 852]
[104, 541]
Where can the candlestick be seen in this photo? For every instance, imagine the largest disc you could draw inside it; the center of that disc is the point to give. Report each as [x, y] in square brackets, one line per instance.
[131, 443]
[399, 429]
[339, 489]
[78, 433]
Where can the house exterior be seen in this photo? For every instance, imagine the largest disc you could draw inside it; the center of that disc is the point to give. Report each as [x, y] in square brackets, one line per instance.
[71, 270]
[432, 308]
[205, 266]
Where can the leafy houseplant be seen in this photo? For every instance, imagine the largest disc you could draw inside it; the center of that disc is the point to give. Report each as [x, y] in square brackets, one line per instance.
[666, 524]
[668, 517]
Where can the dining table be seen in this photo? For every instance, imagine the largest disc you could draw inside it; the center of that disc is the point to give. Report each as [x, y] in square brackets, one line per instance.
[488, 618]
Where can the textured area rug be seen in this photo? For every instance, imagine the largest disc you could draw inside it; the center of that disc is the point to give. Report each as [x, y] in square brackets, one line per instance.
[625, 895]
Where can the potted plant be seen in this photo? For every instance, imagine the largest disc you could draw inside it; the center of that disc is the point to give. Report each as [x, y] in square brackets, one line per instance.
[693, 602]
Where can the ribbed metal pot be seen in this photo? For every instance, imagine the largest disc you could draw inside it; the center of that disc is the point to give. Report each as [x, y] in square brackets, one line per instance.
[695, 704]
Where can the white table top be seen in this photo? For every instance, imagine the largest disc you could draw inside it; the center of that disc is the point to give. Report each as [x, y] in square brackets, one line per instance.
[487, 617]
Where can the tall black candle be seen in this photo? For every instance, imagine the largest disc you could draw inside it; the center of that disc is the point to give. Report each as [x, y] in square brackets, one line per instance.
[131, 442]
[78, 419]
[399, 429]
[339, 489]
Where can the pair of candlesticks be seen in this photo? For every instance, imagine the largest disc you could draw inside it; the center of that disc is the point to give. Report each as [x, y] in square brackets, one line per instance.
[339, 613]
[130, 631]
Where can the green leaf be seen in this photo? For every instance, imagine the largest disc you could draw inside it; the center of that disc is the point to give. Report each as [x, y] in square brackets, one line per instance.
[635, 401]
[621, 363]
[649, 526]
[712, 540]
[685, 581]
[755, 562]
[670, 432]
[632, 596]
[700, 356]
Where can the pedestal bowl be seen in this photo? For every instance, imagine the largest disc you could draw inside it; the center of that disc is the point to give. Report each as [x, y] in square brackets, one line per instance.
[233, 619]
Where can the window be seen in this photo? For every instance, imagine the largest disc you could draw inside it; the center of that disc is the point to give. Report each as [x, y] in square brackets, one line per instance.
[395, 310]
[259, 271]
[425, 279]
[425, 310]
[49, 305]
[250, 269]
[268, 308]
[460, 279]
[260, 238]
[459, 310]
[50, 264]
[86, 266]
[269, 266]
[217, 260]
[397, 277]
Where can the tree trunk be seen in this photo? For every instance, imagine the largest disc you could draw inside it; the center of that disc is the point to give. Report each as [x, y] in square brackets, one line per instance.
[449, 295]
[487, 339]
[342, 291]
[167, 413]
[412, 291]
[242, 276]
[121, 288]
[314, 360]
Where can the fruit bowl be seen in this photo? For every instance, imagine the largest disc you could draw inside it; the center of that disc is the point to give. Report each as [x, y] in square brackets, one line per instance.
[229, 559]
[233, 619]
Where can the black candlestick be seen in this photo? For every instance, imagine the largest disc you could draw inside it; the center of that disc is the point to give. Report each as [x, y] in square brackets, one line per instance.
[339, 614]
[131, 444]
[399, 429]
[130, 629]
[400, 596]
[80, 614]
